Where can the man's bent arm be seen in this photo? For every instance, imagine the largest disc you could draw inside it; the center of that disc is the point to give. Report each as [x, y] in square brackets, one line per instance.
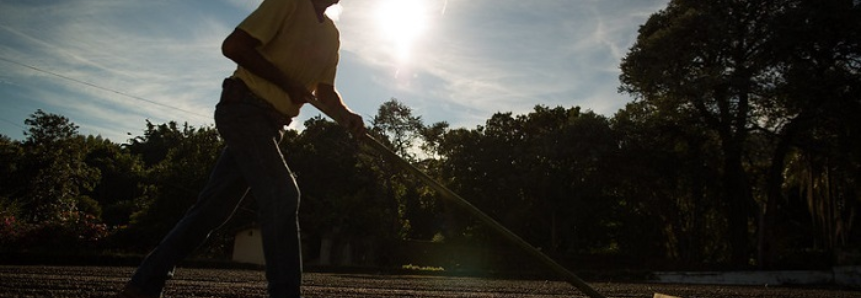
[241, 47]
[334, 107]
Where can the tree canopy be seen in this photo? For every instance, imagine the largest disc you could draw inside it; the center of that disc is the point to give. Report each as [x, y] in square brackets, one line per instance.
[741, 149]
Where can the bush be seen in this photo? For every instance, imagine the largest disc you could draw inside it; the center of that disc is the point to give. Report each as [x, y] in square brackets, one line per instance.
[73, 232]
[10, 231]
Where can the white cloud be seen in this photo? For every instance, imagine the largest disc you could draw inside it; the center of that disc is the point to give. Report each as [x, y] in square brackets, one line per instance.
[509, 55]
[153, 51]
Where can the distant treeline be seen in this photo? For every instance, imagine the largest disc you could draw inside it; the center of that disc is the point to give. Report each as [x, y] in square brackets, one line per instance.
[742, 149]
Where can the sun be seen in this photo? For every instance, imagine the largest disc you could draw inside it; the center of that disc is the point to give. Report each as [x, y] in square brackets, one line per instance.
[401, 22]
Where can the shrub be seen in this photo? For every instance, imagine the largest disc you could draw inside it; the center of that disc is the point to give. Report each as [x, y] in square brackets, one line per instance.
[10, 230]
[73, 232]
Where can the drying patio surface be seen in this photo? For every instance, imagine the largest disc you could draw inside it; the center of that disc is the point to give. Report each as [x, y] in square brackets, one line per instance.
[86, 281]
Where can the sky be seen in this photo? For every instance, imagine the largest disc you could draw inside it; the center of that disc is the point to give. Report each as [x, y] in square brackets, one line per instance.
[111, 65]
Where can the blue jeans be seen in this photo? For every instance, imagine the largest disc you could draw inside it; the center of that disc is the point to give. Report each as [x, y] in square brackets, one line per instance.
[251, 161]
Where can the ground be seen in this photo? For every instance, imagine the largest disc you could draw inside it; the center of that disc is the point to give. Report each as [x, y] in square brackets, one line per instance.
[78, 281]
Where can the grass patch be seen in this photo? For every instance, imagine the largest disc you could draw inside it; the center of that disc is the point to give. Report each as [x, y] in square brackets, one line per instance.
[422, 268]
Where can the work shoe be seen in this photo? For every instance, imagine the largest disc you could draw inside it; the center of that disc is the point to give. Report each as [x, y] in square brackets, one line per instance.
[130, 291]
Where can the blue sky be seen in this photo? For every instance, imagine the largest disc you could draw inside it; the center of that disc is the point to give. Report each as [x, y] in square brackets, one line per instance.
[109, 65]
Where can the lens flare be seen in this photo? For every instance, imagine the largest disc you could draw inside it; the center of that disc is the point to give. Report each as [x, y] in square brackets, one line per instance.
[401, 22]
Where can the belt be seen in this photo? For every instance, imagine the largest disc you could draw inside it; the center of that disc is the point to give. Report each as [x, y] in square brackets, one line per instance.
[236, 92]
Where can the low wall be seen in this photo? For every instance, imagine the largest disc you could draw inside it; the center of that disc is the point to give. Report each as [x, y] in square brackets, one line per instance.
[849, 276]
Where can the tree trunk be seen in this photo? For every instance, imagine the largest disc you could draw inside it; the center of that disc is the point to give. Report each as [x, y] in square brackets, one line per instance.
[738, 199]
[774, 195]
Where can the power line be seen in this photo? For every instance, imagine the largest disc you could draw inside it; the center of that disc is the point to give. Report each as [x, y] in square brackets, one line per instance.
[100, 87]
[13, 123]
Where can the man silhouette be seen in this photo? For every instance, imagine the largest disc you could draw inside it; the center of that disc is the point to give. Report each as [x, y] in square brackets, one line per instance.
[286, 53]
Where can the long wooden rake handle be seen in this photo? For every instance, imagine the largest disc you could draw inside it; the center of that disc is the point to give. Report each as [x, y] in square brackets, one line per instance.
[387, 153]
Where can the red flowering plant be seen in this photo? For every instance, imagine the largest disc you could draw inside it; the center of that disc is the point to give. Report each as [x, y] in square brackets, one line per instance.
[10, 230]
[70, 232]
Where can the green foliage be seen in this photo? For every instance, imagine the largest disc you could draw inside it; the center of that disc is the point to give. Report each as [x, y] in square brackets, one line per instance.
[818, 98]
[758, 80]
[11, 159]
[51, 173]
[396, 124]
[120, 186]
[540, 174]
[742, 145]
[414, 207]
[71, 232]
[668, 181]
[178, 170]
[337, 191]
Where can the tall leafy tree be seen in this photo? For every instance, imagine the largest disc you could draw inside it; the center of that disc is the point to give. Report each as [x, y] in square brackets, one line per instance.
[11, 159]
[120, 189]
[667, 171]
[157, 140]
[815, 54]
[397, 127]
[396, 124]
[341, 198]
[336, 192]
[480, 166]
[708, 58]
[774, 76]
[541, 174]
[182, 159]
[54, 174]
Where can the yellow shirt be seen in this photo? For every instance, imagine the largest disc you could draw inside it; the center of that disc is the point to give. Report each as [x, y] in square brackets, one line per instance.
[294, 41]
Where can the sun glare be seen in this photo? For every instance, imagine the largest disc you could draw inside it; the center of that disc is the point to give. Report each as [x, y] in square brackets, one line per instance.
[401, 22]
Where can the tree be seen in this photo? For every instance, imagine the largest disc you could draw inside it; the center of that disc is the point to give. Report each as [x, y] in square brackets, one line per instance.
[480, 166]
[11, 158]
[397, 127]
[156, 142]
[707, 59]
[759, 76]
[667, 179]
[395, 124]
[53, 174]
[541, 174]
[568, 178]
[431, 136]
[812, 113]
[120, 189]
[172, 183]
[341, 199]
